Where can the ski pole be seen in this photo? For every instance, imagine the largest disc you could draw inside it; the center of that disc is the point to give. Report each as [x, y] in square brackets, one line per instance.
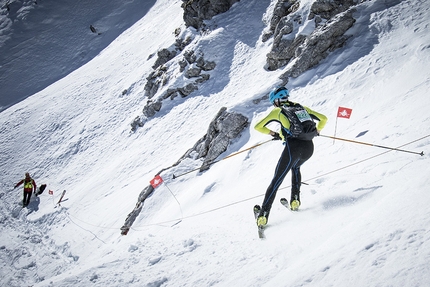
[374, 145]
[236, 153]
[215, 161]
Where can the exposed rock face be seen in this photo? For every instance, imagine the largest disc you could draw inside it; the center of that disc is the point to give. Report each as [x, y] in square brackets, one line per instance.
[195, 11]
[321, 42]
[327, 9]
[137, 122]
[332, 18]
[164, 56]
[154, 81]
[151, 109]
[282, 9]
[131, 217]
[223, 128]
[191, 65]
[329, 19]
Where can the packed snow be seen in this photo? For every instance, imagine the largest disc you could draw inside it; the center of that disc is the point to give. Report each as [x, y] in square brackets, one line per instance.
[364, 218]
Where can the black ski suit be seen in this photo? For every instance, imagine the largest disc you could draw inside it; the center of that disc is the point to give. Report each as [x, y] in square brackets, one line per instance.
[296, 152]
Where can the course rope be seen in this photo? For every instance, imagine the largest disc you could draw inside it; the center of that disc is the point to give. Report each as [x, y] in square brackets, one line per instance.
[251, 198]
[177, 220]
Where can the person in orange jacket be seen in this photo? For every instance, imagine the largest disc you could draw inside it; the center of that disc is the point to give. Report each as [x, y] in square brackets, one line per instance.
[29, 187]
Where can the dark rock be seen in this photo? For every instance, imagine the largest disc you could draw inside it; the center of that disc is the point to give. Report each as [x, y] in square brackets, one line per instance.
[154, 81]
[190, 56]
[188, 89]
[193, 72]
[323, 40]
[137, 123]
[171, 93]
[151, 108]
[164, 56]
[182, 65]
[195, 11]
[224, 127]
[205, 65]
[181, 43]
[307, 50]
[203, 78]
[330, 8]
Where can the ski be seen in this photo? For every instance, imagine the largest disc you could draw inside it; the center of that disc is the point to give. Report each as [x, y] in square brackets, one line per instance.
[40, 190]
[260, 227]
[285, 203]
[261, 232]
[61, 198]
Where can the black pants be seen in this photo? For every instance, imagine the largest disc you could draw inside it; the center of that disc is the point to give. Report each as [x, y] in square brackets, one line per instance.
[295, 153]
[27, 196]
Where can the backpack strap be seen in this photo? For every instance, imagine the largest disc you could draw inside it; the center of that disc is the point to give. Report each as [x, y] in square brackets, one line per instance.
[302, 125]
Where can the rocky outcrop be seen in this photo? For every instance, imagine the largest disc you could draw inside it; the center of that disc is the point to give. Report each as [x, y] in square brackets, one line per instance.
[131, 217]
[164, 56]
[195, 11]
[191, 65]
[225, 127]
[153, 82]
[328, 9]
[282, 9]
[136, 123]
[151, 108]
[317, 47]
[294, 46]
[332, 18]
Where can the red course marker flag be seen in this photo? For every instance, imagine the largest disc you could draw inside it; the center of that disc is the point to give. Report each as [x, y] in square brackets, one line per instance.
[51, 192]
[156, 181]
[344, 112]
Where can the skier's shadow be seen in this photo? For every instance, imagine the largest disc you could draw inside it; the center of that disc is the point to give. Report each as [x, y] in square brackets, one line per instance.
[34, 204]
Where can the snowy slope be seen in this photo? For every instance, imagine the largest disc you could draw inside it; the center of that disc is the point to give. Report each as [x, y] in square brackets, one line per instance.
[36, 34]
[364, 216]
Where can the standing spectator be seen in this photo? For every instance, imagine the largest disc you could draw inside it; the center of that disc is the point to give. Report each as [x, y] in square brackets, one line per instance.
[29, 187]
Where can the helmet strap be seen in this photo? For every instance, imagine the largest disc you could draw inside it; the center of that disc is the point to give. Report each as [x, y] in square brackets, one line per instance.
[280, 102]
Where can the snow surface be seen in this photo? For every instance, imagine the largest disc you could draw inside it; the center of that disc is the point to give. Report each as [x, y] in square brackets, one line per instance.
[364, 219]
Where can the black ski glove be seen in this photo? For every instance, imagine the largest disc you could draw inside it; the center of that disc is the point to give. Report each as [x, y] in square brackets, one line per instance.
[276, 137]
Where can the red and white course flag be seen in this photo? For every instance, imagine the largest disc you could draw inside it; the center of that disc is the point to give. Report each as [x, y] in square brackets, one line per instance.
[156, 181]
[344, 112]
[51, 192]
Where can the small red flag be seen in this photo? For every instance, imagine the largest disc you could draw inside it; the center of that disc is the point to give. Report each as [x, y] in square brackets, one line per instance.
[156, 181]
[51, 192]
[344, 112]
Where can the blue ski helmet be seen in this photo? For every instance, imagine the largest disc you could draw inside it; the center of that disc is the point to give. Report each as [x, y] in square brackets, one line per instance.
[278, 93]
